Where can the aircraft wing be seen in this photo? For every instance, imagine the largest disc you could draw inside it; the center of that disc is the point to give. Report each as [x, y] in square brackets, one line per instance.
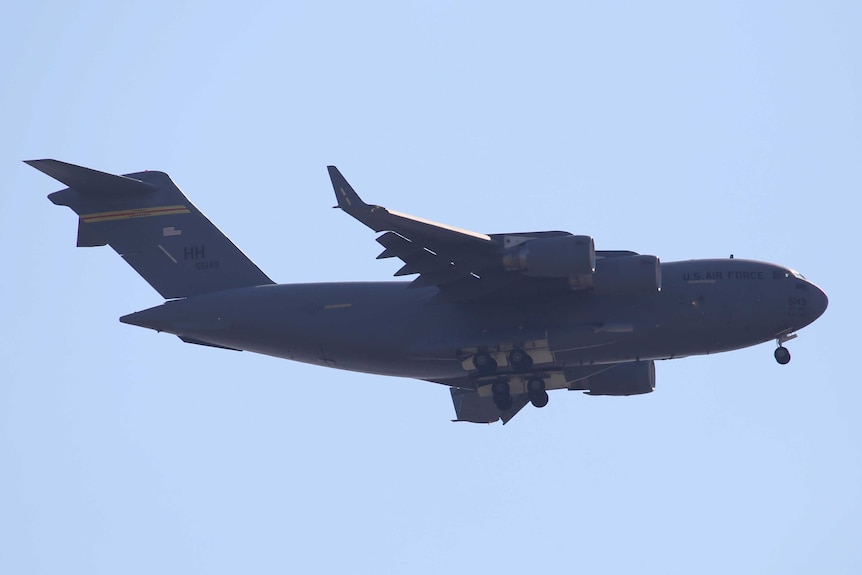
[460, 262]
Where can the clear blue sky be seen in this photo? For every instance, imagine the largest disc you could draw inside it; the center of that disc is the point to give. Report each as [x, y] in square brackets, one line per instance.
[678, 129]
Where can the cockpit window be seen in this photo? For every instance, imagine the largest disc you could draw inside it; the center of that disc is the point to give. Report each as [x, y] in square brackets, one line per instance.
[786, 274]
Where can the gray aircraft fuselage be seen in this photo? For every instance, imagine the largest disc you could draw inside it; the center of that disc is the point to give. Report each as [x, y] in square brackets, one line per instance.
[500, 319]
[704, 306]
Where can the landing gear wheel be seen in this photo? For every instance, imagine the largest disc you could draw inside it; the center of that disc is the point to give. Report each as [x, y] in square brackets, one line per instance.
[500, 388]
[502, 396]
[539, 399]
[520, 360]
[782, 355]
[535, 385]
[484, 363]
[536, 392]
[503, 402]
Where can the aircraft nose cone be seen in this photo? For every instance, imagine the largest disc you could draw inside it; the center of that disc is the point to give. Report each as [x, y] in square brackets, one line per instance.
[820, 301]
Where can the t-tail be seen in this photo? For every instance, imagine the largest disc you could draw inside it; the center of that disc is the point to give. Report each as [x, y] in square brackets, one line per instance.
[148, 221]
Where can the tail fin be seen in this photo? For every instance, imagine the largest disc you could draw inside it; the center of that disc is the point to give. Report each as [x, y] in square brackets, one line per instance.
[153, 226]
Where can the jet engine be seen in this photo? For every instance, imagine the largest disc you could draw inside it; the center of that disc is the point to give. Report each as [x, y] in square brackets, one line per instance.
[623, 379]
[574, 258]
[554, 257]
[627, 274]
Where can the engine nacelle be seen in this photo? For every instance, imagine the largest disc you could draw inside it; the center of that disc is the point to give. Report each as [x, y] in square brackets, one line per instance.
[624, 275]
[624, 379]
[555, 257]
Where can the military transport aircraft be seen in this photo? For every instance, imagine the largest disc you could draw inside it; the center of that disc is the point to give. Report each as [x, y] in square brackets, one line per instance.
[500, 319]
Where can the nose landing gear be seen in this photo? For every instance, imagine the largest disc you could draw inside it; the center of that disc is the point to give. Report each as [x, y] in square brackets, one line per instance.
[782, 354]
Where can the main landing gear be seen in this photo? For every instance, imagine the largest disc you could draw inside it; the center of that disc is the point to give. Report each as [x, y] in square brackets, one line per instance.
[782, 354]
[520, 362]
[536, 392]
[501, 394]
[484, 363]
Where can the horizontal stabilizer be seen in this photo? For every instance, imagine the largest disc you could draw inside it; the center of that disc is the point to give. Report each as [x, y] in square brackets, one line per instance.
[91, 181]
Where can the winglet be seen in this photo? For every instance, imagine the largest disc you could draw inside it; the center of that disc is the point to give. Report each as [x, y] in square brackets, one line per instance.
[348, 199]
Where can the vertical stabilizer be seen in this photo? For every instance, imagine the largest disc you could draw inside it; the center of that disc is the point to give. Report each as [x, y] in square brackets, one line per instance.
[154, 227]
